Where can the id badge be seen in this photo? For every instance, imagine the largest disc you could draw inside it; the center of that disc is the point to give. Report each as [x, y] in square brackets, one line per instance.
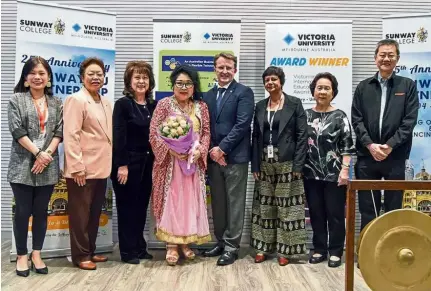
[270, 150]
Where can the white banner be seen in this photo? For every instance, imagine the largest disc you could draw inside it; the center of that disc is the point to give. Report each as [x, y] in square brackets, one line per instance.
[65, 36]
[305, 48]
[195, 43]
[412, 33]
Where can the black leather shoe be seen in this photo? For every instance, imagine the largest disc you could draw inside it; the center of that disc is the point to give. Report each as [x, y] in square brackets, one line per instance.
[316, 260]
[134, 261]
[333, 263]
[42, 271]
[145, 256]
[214, 252]
[23, 273]
[227, 258]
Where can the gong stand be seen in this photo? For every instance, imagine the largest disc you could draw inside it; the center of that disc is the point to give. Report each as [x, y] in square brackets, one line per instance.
[353, 186]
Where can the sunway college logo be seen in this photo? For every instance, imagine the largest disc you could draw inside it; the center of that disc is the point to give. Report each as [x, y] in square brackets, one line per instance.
[422, 34]
[59, 26]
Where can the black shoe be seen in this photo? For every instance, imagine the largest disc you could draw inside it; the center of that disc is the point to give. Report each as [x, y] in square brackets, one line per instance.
[134, 261]
[334, 264]
[316, 260]
[24, 273]
[42, 271]
[145, 256]
[227, 258]
[214, 252]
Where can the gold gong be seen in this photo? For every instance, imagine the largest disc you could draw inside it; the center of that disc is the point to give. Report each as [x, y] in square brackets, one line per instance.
[395, 252]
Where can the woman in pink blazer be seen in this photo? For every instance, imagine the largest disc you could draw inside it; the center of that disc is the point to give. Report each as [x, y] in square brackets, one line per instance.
[88, 158]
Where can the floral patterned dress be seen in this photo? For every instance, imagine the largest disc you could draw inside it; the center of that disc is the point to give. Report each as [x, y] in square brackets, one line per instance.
[178, 201]
[329, 138]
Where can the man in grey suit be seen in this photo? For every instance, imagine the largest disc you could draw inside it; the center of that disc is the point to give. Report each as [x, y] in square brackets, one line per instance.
[231, 107]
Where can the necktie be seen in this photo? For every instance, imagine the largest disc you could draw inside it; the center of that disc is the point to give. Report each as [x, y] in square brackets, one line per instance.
[220, 97]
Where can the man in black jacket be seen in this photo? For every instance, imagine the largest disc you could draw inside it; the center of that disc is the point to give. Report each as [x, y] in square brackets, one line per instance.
[384, 113]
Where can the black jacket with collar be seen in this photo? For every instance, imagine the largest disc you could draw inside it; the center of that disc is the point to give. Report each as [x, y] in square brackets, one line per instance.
[399, 117]
[292, 133]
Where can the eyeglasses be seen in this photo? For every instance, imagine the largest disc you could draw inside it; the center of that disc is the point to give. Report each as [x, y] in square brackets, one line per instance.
[180, 85]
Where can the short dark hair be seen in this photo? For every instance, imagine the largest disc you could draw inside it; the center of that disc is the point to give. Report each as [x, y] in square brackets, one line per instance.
[274, 71]
[139, 67]
[330, 77]
[28, 67]
[193, 75]
[90, 61]
[228, 56]
[387, 41]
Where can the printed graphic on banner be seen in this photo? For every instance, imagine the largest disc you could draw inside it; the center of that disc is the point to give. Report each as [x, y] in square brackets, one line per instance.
[202, 61]
[417, 66]
[306, 49]
[193, 44]
[412, 34]
[64, 42]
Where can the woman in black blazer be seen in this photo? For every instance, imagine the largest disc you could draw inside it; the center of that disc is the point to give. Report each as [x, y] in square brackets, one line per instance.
[278, 155]
[133, 159]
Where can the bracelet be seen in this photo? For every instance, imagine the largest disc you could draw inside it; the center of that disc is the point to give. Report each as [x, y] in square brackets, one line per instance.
[347, 166]
[38, 153]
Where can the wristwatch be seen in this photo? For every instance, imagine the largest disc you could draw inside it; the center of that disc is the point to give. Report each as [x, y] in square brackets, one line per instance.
[48, 151]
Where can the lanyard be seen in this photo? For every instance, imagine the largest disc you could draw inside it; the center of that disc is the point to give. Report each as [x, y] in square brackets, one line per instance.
[41, 115]
[271, 119]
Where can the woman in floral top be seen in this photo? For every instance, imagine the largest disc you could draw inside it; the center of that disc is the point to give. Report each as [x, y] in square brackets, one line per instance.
[326, 170]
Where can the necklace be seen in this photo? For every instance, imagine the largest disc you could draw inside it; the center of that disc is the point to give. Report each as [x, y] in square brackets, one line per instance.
[40, 102]
[143, 102]
[186, 110]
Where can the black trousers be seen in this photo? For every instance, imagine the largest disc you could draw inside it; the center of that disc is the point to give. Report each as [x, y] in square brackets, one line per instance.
[84, 207]
[132, 203]
[30, 201]
[369, 169]
[326, 204]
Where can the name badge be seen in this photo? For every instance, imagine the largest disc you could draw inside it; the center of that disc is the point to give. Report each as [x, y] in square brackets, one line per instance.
[270, 149]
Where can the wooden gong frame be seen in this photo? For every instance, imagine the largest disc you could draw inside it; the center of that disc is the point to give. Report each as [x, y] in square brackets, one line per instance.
[352, 187]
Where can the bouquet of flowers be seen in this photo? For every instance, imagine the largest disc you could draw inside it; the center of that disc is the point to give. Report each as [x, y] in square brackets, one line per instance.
[177, 132]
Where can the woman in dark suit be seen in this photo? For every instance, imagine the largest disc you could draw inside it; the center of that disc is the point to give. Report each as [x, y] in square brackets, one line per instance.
[133, 159]
[279, 147]
[35, 120]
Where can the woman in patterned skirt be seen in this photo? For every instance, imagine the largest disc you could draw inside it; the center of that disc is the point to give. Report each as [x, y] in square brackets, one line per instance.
[279, 151]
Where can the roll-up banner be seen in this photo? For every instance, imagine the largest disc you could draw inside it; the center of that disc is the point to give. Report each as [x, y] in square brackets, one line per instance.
[308, 47]
[65, 36]
[193, 42]
[412, 33]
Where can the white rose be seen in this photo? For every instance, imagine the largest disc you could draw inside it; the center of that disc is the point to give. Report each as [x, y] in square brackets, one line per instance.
[175, 124]
[183, 123]
[180, 131]
[173, 132]
[166, 129]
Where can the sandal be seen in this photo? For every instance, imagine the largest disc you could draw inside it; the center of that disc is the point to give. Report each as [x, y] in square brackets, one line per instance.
[172, 255]
[259, 258]
[187, 252]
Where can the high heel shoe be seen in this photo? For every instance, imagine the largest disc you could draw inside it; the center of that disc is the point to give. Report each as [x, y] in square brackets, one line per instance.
[23, 273]
[172, 255]
[188, 253]
[42, 271]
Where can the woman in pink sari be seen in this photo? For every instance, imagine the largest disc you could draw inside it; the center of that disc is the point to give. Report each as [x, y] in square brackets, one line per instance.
[178, 198]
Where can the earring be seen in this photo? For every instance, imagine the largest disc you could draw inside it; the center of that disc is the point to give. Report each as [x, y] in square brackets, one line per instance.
[26, 84]
[48, 84]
